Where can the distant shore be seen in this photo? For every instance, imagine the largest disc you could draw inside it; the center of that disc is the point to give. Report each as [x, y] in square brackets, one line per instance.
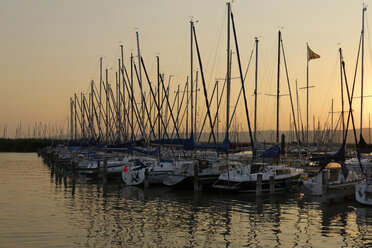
[24, 145]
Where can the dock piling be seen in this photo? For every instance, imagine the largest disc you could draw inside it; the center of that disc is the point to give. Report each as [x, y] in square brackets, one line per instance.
[325, 186]
[104, 174]
[259, 185]
[272, 185]
[196, 177]
[146, 177]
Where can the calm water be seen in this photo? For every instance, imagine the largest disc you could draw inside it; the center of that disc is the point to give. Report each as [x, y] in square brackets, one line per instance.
[41, 209]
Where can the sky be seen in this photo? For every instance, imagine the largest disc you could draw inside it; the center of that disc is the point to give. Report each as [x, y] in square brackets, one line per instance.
[50, 50]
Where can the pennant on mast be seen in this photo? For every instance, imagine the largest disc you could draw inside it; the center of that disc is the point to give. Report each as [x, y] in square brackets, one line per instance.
[311, 55]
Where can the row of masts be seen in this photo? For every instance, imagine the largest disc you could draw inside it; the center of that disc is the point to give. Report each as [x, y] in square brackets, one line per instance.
[115, 118]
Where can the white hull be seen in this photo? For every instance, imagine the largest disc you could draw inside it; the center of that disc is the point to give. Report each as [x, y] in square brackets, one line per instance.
[157, 172]
[339, 189]
[183, 171]
[133, 178]
[338, 185]
[244, 179]
[363, 192]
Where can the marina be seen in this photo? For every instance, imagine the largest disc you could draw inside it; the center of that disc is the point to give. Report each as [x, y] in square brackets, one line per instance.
[218, 154]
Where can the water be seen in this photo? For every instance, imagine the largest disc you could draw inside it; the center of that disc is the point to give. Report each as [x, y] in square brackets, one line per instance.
[40, 209]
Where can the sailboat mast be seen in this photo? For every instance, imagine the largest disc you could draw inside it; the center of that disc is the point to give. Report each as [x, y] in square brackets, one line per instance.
[92, 109]
[191, 77]
[307, 101]
[342, 96]
[132, 93]
[362, 74]
[228, 79]
[118, 101]
[123, 99]
[100, 94]
[196, 102]
[140, 83]
[217, 104]
[71, 120]
[158, 77]
[278, 89]
[255, 92]
[107, 108]
[75, 117]
[332, 117]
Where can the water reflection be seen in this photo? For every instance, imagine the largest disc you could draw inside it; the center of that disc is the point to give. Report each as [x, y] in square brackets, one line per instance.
[160, 216]
[74, 212]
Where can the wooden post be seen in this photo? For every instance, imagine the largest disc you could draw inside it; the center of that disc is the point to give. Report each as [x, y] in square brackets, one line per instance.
[325, 185]
[196, 176]
[272, 185]
[259, 185]
[146, 177]
[63, 168]
[98, 167]
[104, 174]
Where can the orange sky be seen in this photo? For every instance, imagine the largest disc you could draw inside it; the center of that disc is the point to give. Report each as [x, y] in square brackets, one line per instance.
[50, 50]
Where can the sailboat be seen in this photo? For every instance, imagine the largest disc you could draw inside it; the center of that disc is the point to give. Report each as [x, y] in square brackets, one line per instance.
[339, 178]
[245, 179]
[363, 190]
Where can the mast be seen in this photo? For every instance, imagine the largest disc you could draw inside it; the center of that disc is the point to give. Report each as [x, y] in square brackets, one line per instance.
[132, 93]
[82, 112]
[196, 101]
[92, 109]
[124, 107]
[217, 104]
[228, 79]
[255, 93]
[158, 77]
[342, 96]
[191, 77]
[71, 121]
[362, 74]
[100, 93]
[118, 101]
[75, 117]
[187, 107]
[332, 117]
[307, 101]
[140, 83]
[278, 89]
[178, 104]
[107, 107]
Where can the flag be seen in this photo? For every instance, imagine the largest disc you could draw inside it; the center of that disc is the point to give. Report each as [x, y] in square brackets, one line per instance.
[311, 55]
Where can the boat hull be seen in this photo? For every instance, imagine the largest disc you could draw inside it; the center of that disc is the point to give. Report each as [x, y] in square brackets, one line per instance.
[281, 184]
[363, 192]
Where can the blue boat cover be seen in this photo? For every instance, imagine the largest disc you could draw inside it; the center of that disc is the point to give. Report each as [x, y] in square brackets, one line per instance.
[337, 156]
[363, 147]
[187, 144]
[345, 170]
[272, 152]
[153, 152]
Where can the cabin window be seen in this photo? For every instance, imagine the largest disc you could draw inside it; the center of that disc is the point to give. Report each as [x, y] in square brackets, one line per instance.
[283, 171]
[255, 168]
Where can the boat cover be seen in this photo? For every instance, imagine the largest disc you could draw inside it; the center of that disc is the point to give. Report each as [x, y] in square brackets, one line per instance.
[272, 152]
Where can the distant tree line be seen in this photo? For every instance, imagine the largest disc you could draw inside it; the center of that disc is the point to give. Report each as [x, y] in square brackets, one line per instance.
[24, 145]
